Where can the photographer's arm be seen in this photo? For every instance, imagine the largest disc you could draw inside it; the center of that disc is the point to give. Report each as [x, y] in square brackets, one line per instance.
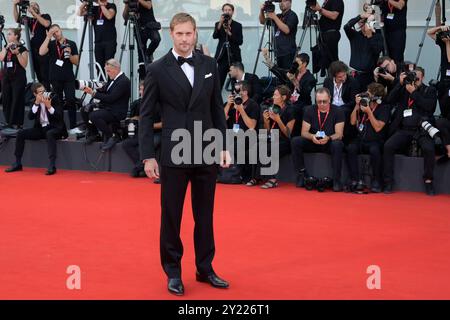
[74, 59]
[354, 115]
[43, 50]
[3, 54]
[44, 22]
[262, 16]
[305, 131]
[249, 122]
[432, 31]
[125, 14]
[399, 5]
[280, 24]
[376, 124]
[349, 27]
[339, 131]
[23, 59]
[217, 28]
[108, 13]
[236, 36]
[147, 4]
[333, 15]
[15, 11]
[82, 10]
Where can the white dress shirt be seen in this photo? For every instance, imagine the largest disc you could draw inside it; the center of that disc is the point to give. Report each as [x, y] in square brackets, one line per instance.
[186, 67]
[112, 82]
[43, 118]
[337, 94]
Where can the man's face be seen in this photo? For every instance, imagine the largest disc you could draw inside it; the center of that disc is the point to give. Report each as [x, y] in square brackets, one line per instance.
[39, 91]
[301, 64]
[35, 7]
[111, 71]
[322, 99]
[228, 10]
[233, 72]
[183, 37]
[58, 33]
[419, 80]
[285, 5]
[341, 77]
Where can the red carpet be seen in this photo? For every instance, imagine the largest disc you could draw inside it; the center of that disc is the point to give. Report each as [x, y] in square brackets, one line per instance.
[271, 244]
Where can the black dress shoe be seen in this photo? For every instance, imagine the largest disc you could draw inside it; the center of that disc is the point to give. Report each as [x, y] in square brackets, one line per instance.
[157, 181]
[429, 189]
[375, 187]
[108, 145]
[51, 171]
[135, 172]
[213, 280]
[175, 286]
[14, 168]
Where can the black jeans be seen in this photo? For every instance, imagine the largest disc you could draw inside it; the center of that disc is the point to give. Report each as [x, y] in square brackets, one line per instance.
[300, 145]
[396, 43]
[100, 120]
[374, 148]
[41, 67]
[400, 141]
[50, 133]
[13, 96]
[284, 148]
[331, 42]
[105, 51]
[155, 38]
[66, 89]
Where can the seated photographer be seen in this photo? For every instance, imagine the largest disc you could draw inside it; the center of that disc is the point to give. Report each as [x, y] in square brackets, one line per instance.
[365, 45]
[286, 24]
[416, 103]
[281, 115]
[238, 75]
[322, 131]
[386, 73]
[47, 114]
[394, 16]
[441, 35]
[229, 33]
[369, 117]
[104, 22]
[113, 106]
[63, 55]
[242, 113]
[131, 144]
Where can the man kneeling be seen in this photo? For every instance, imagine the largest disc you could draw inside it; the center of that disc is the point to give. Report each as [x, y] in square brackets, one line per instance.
[48, 117]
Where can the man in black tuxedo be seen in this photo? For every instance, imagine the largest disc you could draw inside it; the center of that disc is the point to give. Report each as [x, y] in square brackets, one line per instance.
[229, 33]
[113, 107]
[47, 113]
[238, 74]
[187, 89]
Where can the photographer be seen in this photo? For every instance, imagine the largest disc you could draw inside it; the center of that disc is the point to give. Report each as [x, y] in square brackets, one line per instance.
[286, 24]
[131, 144]
[39, 24]
[331, 14]
[238, 75]
[393, 14]
[369, 117]
[322, 131]
[229, 33]
[104, 22]
[15, 60]
[386, 73]
[148, 28]
[441, 35]
[416, 102]
[63, 55]
[280, 116]
[366, 46]
[113, 106]
[47, 114]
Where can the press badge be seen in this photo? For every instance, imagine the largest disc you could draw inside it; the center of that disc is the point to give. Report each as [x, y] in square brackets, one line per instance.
[100, 22]
[320, 134]
[407, 113]
[10, 64]
[277, 34]
[59, 63]
[390, 16]
[236, 128]
[361, 128]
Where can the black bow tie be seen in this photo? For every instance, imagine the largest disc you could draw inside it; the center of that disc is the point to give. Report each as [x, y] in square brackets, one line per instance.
[181, 60]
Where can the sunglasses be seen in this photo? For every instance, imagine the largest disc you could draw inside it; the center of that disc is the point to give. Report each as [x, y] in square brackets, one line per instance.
[322, 101]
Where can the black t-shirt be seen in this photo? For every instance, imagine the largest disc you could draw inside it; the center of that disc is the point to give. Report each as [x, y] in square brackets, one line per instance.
[38, 31]
[145, 15]
[251, 108]
[65, 72]
[135, 108]
[328, 24]
[12, 66]
[392, 17]
[286, 42]
[368, 133]
[287, 114]
[445, 65]
[335, 115]
[105, 30]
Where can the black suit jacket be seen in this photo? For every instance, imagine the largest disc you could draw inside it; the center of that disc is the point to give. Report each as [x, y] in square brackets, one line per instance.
[180, 105]
[116, 99]
[235, 40]
[56, 119]
[349, 90]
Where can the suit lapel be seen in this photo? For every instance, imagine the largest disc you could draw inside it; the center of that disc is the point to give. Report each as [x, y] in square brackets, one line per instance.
[199, 78]
[177, 74]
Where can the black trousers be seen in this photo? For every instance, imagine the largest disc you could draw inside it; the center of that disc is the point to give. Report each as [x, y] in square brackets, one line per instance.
[224, 68]
[13, 97]
[364, 79]
[131, 148]
[444, 126]
[284, 148]
[100, 120]
[396, 43]
[331, 41]
[174, 182]
[374, 148]
[155, 38]
[300, 145]
[285, 61]
[66, 89]
[400, 141]
[51, 134]
[41, 67]
[105, 51]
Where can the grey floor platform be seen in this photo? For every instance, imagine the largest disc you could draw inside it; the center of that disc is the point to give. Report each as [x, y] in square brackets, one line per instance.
[72, 156]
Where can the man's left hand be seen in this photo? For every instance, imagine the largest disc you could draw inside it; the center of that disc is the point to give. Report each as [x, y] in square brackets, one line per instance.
[88, 90]
[410, 88]
[47, 102]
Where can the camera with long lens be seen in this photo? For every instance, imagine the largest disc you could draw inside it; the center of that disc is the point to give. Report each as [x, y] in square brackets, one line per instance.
[226, 19]
[93, 84]
[23, 6]
[365, 99]
[14, 46]
[311, 3]
[269, 6]
[411, 78]
[48, 95]
[133, 5]
[431, 130]
[237, 95]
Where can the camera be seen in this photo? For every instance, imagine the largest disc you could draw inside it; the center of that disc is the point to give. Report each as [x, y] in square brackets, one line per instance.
[324, 183]
[411, 77]
[274, 108]
[93, 84]
[49, 95]
[66, 54]
[294, 68]
[365, 99]
[376, 2]
[430, 129]
[368, 8]
[133, 5]
[443, 35]
[407, 66]
[269, 7]
[311, 3]
[382, 70]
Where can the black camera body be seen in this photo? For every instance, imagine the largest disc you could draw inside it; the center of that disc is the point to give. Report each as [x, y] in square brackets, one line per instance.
[64, 46]
[365, 99]
[271, 108]
[269, 7]
[411, 77]
[376, 2]
[133, 5]
[49, 95]
[294, 68]
[311, 3]
[443, 35]
[382, 70]
[237, 95]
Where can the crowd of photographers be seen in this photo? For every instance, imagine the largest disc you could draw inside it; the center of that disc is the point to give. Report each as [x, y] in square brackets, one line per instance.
[377, 104]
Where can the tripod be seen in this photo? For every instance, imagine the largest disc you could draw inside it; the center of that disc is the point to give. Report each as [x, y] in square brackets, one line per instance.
[24, 20]
[88, 26]
[309, 19]
[428, 19]
[271, 42]
[131, 33]
[226, 45]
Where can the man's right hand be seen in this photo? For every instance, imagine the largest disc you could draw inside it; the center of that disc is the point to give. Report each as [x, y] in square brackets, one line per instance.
[402, 77]
[16, 2]
[151, 168]
[315, 140]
